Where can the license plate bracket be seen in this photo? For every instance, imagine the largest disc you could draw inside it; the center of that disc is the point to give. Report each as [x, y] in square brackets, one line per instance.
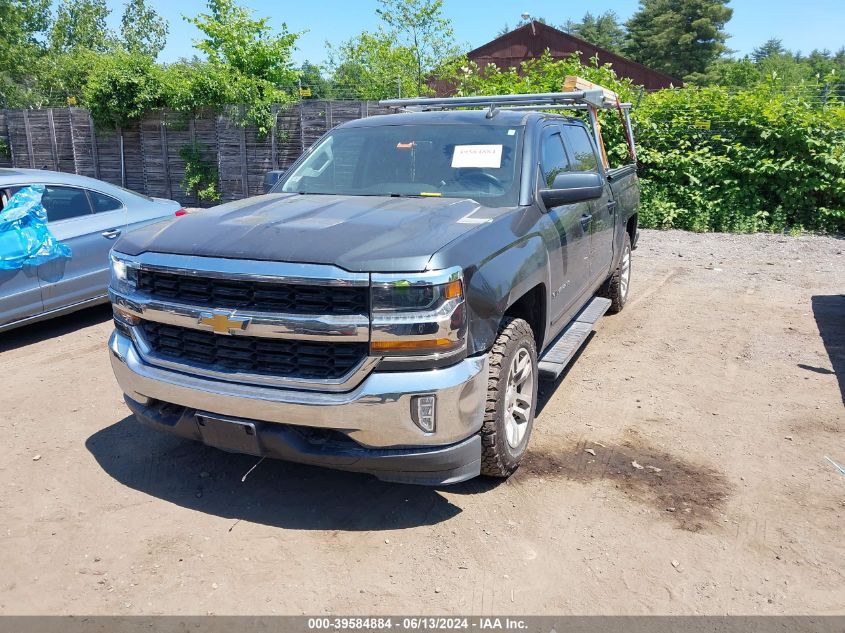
[229, 435]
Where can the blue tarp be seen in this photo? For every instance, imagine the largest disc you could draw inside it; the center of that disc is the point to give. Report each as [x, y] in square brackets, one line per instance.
[25, 239]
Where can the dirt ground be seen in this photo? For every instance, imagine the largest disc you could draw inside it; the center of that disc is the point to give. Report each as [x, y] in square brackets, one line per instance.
[677, 468]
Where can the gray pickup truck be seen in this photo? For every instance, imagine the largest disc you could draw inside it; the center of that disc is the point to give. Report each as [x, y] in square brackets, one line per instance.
[390, 306]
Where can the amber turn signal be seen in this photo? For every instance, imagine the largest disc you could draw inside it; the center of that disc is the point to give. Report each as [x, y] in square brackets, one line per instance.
[436, 343]
[453, 289]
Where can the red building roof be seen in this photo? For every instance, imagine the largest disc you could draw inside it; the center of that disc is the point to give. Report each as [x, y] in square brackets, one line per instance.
[532, 40]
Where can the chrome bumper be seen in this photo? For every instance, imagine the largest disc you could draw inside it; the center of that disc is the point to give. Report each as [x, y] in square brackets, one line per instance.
[376, 414]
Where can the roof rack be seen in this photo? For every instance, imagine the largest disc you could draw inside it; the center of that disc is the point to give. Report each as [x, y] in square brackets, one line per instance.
[586, 98]
[580, 95]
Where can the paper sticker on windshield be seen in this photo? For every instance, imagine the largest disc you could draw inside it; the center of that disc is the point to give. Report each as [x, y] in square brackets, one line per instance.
[489, 156]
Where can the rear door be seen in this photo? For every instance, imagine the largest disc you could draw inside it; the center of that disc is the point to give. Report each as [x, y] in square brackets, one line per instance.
[88, 222]
[20, 292]
[570, 257]
[584, 157]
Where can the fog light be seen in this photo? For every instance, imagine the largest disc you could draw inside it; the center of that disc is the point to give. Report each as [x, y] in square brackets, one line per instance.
[423, 412]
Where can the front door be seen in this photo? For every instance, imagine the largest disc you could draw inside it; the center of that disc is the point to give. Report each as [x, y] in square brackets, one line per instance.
[72, 220]
[20, 292]
[583, 157]
[570, 250]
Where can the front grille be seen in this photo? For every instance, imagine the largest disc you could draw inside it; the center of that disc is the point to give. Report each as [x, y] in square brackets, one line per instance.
[261, 296]
[266, 356]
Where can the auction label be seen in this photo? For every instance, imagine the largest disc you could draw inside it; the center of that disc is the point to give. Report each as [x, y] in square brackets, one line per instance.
[417, 623]
[482, 156]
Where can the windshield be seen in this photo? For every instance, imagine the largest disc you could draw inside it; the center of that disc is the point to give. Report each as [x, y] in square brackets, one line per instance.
[452, 161]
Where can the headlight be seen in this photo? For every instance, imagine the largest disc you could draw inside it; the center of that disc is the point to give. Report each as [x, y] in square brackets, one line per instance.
[118, 267]
[418, 315]
[123, 274]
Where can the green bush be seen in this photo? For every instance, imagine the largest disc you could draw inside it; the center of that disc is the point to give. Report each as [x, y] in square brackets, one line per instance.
[123, 87]
[200, 174]
[758, 159]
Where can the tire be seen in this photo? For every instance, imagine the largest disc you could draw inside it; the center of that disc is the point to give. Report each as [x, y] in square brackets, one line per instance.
[504, 434]
[618, 285]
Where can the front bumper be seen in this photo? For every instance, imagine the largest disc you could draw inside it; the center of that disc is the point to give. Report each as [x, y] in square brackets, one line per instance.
[375, 416]
[432, 465]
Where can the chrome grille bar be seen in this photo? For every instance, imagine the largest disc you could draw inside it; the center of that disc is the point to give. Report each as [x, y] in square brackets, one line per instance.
[353, 328]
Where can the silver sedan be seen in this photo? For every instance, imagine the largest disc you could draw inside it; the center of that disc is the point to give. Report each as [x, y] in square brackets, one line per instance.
[85, 214]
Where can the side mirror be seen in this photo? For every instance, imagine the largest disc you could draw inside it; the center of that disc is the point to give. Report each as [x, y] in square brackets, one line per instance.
[573, 186]
[271, 178]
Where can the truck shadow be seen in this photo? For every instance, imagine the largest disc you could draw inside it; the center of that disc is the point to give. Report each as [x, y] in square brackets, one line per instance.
[829, 312]
[276, 493]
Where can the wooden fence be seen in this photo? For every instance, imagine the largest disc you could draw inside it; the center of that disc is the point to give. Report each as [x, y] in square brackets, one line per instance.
[145, 155]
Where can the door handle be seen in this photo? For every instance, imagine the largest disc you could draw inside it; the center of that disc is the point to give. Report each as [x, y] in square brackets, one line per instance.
[585, 221]
[111, 233]
[611, 205]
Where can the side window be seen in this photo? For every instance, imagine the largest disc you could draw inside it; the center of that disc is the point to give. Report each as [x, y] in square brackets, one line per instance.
[62, 203]
[552, 156]
[101, 202]
[583, 155]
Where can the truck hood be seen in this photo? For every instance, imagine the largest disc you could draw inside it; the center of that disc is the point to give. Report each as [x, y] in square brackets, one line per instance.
[357, 233]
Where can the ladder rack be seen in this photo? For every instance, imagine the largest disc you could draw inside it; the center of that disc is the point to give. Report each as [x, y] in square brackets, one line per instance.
[577, 100]
[590, 97]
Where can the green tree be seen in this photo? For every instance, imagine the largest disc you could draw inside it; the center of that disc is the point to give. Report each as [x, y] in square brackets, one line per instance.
[785, 68]
[311, 77]
[820, 75]
[122, 87]
[22, 23]
[829, 68]
[142, 30]
[370, 66]
[678, 37]
[62, 77]
[248, 45]
[81, 24]
[254, 59]
[570, 26]
[768, 49]
[737, 73]
[602, 30]
[421, 27]
[190, 86]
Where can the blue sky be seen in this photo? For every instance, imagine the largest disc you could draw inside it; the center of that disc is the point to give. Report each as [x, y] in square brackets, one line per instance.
[801, 25]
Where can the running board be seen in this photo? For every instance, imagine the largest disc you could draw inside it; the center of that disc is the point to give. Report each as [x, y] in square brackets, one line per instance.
[558, 355]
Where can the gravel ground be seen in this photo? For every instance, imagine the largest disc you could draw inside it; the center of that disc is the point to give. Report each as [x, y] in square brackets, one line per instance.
[677, 467]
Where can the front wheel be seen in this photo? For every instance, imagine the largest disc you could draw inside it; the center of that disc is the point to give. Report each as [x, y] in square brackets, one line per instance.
[511, 399]
[617, 285]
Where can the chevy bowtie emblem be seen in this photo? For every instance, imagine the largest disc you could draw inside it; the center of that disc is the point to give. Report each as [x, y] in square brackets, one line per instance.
[223, 323]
